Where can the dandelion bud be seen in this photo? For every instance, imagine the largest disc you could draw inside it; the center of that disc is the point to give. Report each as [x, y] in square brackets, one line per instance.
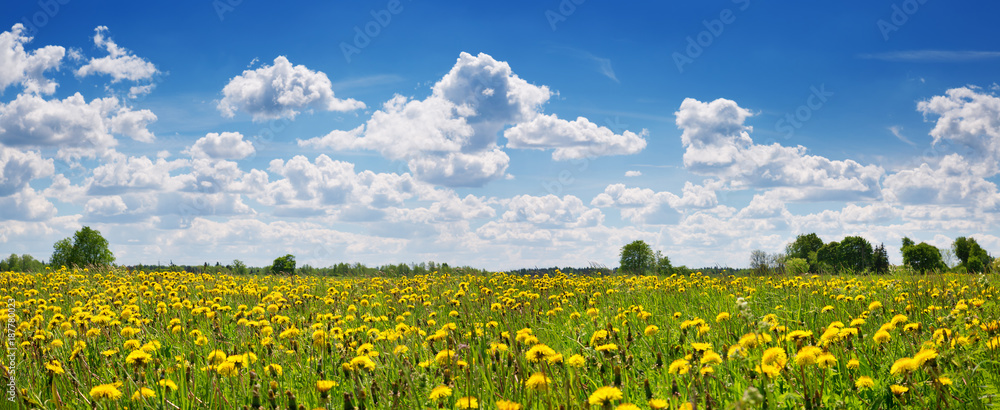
[292, 403]
[648, 390]
[348, 405]
[255, 400]
[659, 360]
[618, 376]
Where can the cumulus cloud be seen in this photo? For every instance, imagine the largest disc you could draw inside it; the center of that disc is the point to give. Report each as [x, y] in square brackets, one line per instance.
[717, 143]
[26, 205]
[17, 168]
[227, 145]
[18, 66]
[952, 181]
[120, 63]
[573, 139]
[451, 137]
[645, 206]
[541, 219]
[633, 173]
[76, 127]
[281, 90]
[970, 119]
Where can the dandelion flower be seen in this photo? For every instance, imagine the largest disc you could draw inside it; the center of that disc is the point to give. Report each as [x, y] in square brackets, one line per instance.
[658, 404]
[899, 390]
[138, 357]
[538, 381]
[627, 406]
[651, 330]
[508, 405]
[467, 403]
[142, 393]
[576, 361]
[679, 366]
[54, 367]
[604, 395]
[864, 382]
[775, 356]
[105, 391]
[440, 392]
[539, 352]
[325, 385]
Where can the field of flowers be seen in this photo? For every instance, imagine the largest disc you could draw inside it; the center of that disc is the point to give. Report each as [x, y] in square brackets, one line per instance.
[117, 339]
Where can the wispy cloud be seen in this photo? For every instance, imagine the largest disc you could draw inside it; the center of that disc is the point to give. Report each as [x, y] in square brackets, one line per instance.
[946, 56]
[602, 65]
[898, 132]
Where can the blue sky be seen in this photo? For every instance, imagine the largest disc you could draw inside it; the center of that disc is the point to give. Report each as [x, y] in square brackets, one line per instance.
[496, 135]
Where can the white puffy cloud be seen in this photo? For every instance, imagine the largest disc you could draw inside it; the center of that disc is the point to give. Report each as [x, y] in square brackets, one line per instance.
[632, 173]
[952, 181]
[76, 127]
[281, 90]
[133, 124]
[26, 205]
[645, 206]
[717, 143]
[573, 139]
[970, 119]
[17, 168]
[18, 66]
[120, 63]
[227, 145]
[105, 206]
[326, 186]
[542, 219]
[451, 137]
[120, 173]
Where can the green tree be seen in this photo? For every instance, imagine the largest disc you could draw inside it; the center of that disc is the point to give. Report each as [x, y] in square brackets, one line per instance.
[855, 253]
[828, 256]
[880, 260]
[239, 267]
[87, 248]
[922, 257]
[284, 264]
[970, 255]
[805, 247]
[637, 257]
[663, 264]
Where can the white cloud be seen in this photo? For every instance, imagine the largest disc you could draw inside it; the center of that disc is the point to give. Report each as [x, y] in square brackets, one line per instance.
[120, 63]
[645, 206]
[573, 139]
[952, 181]
[717, 143]
[545, 219]
[119, 174]
[451, 137]
[133, 124]
[631, 173]
[105, 206]
[970, 119]
[17, 168]
[26, 205]
[74, 126]
[281, 91]
[227, 145]
[18, 66]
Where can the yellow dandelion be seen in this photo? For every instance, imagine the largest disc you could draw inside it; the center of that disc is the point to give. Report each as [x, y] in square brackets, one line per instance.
[440, 392]
[604, 395]
[864, 382]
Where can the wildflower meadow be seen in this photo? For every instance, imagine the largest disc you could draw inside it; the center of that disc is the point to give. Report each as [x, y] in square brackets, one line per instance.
[117, 339]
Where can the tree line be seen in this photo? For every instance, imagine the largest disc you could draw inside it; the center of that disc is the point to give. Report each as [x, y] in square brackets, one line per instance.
[854, 254]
